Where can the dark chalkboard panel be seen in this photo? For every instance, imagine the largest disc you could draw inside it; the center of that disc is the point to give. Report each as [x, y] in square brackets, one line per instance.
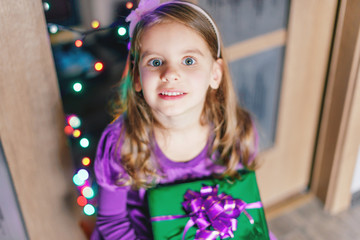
[239, 20]
[257, 82]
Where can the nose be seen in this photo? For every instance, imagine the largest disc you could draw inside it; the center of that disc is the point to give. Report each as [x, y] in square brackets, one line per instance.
[170, 73]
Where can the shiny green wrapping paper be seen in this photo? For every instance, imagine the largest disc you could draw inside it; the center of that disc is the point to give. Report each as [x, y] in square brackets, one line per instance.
[167, 200]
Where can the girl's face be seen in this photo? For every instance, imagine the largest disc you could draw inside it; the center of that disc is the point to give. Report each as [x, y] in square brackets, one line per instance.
[176, 69]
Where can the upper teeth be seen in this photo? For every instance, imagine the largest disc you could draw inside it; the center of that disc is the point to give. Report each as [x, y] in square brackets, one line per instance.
[172, 93]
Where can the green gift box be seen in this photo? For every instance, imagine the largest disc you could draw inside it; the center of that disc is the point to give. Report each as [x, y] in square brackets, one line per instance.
[170, 219]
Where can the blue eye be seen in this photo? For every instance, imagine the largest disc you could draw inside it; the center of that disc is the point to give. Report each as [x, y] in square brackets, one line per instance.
[189, 61]
[156, 62]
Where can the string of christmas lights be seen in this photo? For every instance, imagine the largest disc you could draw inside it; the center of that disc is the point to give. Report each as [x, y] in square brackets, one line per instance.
[82, 178]
[95, 24]
[85, 185]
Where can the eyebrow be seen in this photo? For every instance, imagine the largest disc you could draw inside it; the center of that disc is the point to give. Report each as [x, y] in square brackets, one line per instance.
[146, 53]
[196, 51]
[193, 51]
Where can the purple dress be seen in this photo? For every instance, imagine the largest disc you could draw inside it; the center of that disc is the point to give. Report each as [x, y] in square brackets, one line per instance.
[122, 212]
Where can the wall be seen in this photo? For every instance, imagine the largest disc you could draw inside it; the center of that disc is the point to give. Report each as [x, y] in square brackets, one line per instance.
[31, 124]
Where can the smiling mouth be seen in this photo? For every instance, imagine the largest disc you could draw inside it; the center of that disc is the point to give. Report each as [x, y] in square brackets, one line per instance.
[171, 93]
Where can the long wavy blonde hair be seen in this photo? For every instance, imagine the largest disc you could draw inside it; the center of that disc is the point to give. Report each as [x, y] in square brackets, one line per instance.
[234, 137]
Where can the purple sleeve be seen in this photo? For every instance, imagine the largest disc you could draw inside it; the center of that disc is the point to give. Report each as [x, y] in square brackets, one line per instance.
[113, 221]
[113, 218]
[107, 168]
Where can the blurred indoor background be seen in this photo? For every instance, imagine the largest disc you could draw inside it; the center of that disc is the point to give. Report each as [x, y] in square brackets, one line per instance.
[294, 64]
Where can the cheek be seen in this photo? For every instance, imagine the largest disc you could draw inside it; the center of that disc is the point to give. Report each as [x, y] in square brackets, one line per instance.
[146, 75]
[200, 79]
[148, 80]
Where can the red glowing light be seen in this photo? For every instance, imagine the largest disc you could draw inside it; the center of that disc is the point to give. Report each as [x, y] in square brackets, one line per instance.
[99, 66]
[82, 201]
[129, 5]
[78, 43]
[68, 130]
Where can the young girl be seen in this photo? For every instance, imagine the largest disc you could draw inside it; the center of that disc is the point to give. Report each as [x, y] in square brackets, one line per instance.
[178, 120]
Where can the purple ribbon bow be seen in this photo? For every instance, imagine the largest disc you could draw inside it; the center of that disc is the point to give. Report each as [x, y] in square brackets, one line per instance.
[208, 209]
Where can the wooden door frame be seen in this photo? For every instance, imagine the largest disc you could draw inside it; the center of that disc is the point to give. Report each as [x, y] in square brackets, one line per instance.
[308, 45]
[339, 137]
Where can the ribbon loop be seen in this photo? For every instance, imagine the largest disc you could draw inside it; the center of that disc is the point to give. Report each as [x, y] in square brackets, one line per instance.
[214, 214]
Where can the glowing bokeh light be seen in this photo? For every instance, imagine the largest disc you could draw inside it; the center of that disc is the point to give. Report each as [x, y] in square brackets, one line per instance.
[85, 161]
[87, 192]
[129, 5]
[89, 209]
[78, 181]
[76, 133]
[46, 6]
[78, 43]
[84, 142]
[95, 24]
[74, 121]
[68, 130]
[121, 31]
[129, 45]
[83, 174]
[53, 29]
[82, 201]
[99, 66]
[77, 87]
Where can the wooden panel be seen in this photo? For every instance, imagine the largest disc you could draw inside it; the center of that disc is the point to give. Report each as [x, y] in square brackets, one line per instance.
[285, 168]
[339, 193]
[255, 45]
[31, 124]
[335, 157]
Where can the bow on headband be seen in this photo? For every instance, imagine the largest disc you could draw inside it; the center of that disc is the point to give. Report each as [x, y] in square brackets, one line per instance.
[144, 7]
